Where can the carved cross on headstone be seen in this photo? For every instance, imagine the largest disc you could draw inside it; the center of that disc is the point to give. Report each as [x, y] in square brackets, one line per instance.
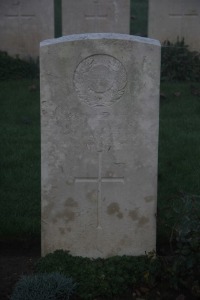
[182, 14]
[99, 180]
[97, 14]
[182, 10]
[15, 11]
[193, 13]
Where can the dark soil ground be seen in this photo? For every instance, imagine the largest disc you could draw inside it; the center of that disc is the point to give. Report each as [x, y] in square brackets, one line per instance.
[17, 258]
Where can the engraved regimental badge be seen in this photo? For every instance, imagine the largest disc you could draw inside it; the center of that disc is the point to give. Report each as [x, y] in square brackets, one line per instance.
[100, 80]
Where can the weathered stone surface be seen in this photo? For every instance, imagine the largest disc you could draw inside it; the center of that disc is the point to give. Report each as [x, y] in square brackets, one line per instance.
[88, 16]
[99, 122]
[170, 19]
[24, 24]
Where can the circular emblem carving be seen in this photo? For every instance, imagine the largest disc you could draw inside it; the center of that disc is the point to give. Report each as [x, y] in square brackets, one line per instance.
[100, 80]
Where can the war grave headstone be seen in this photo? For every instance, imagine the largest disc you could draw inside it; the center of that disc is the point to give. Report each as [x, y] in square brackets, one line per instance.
[91, 16]
[99, 141]
[172, 19]
[24, 24]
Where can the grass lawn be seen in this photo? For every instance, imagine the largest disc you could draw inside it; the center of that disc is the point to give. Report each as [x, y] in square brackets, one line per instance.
[20, 159]
[179, 148]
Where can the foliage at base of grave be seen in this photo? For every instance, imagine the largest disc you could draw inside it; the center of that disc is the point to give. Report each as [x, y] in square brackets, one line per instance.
[16, 68]
[52, 286]
[114, 276]
[150, 277]
[179, 63]
[183, 271]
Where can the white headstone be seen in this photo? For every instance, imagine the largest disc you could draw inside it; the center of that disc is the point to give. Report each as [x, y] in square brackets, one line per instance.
[172, 19]
[24, 24]
[88, 16]
[99, 122]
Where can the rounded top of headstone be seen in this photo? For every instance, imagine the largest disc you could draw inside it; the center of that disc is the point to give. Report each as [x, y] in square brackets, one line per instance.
[100, 36]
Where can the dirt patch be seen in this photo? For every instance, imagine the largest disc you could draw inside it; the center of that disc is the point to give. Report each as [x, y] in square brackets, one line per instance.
[17, 258]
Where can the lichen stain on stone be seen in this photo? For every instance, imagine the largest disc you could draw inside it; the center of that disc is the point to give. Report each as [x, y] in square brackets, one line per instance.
[114, 208]
[47, 210]
[142, 221]
[149, 199]
[110, 254]
[125, 241]
[70, 202]
[69, 216]
[120, 215]
[92, 196]
[133, 214]
[62, 230]
[66, 215]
